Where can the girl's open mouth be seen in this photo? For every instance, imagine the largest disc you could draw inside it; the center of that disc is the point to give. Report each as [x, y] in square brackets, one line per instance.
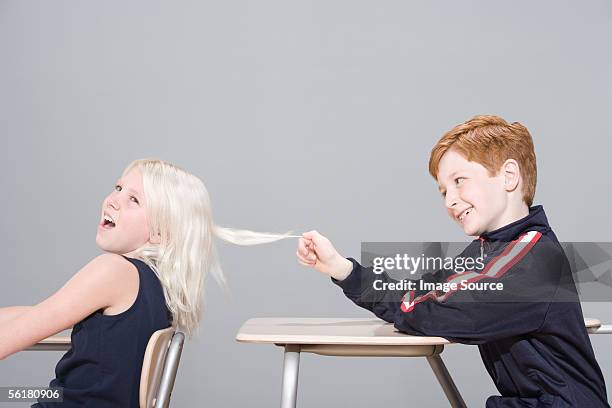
[108, 222]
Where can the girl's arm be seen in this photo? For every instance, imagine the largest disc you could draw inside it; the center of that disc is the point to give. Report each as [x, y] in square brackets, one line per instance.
[9, 313]
[96, 286]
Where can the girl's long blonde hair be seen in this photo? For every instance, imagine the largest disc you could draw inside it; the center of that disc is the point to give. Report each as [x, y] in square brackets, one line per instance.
[179, 212]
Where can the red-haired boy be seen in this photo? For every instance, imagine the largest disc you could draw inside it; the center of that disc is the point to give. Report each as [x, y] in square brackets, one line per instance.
[531, 335]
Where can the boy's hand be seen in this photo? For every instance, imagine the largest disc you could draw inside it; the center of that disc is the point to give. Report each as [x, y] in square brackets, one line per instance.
[318, 252]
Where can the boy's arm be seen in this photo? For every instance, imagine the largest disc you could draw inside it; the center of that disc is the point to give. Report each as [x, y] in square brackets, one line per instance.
[363, 287]
[317, 251]
[530, 274]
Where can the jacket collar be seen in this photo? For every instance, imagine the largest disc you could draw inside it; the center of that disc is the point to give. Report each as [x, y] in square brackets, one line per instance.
[535, 221]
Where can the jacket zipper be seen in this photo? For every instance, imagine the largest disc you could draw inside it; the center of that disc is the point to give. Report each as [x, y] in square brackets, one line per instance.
[481, 247]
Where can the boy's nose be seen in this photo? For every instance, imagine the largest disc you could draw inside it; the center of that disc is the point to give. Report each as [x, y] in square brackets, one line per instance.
[450, 201]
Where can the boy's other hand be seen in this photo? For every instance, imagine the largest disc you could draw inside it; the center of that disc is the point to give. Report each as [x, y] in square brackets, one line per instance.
[317, 251]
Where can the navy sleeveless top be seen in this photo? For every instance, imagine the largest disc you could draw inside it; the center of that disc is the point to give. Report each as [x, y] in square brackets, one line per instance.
[102, 368]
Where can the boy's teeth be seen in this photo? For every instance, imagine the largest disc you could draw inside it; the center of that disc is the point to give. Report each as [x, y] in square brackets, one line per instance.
[466, 212]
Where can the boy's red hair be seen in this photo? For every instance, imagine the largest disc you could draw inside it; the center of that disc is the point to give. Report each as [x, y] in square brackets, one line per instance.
[490, 141]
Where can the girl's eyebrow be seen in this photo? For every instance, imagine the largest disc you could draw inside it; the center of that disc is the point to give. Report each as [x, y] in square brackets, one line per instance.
[131, 190]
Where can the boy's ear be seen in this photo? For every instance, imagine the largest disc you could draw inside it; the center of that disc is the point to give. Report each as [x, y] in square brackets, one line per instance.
[512, 174]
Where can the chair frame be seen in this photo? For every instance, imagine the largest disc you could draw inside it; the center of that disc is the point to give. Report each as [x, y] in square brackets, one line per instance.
[168, 377]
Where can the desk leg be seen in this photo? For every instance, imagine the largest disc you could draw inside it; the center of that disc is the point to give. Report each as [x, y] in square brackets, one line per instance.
[291, 368]
[446, 381]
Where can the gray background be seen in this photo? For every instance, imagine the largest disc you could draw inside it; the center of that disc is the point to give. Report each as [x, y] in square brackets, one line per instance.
[297, 115]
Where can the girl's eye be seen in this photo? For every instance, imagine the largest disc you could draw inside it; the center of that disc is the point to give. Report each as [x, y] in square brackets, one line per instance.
[459, 178]
[134, 199]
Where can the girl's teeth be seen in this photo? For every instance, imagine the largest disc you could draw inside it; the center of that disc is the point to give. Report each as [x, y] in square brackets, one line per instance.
[108, 222]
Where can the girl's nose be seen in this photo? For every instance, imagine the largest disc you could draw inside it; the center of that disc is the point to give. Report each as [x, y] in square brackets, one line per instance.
[113, 203]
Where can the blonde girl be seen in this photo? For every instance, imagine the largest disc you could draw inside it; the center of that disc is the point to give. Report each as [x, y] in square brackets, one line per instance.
[156, 231]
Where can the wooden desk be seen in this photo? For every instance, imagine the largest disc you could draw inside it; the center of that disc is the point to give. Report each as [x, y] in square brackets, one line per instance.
[53, 343]
[594, 326]
[368, 337]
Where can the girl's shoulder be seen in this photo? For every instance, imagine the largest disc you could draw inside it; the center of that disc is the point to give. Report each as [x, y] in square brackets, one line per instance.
[122, 274]
[111, 259]
[109, 269]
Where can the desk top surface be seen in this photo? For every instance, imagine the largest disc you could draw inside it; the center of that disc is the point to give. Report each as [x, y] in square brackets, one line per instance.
[299, 330]
[64, 340]
[354, 331]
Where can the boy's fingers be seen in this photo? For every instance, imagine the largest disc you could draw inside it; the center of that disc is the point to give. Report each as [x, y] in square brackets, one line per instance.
[305, 264]
[311, 235]
[307, 235]
[308, 251]
[303, 238]
[302, 246]
[304, 261]
[307, 259]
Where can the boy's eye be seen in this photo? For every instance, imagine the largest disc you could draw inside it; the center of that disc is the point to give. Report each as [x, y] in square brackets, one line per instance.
[459, 178]
[134, 199]
[117, 187]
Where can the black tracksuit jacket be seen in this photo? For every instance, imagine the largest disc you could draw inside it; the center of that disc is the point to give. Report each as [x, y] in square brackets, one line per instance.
[531, 336]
